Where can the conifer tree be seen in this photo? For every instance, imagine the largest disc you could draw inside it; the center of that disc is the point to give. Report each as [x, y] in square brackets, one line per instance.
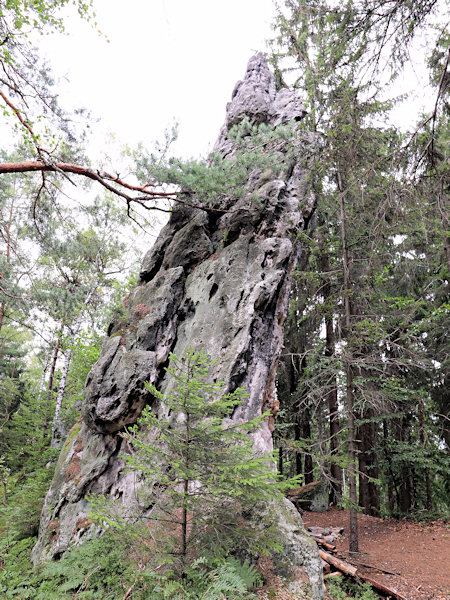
[201, 479]
[375, 233]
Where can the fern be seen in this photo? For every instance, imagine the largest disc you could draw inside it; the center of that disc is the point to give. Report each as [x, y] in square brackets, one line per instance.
[227, 584]
[246, 571]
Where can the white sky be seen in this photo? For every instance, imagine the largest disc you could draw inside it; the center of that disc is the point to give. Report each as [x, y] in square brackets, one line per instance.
[167, 60]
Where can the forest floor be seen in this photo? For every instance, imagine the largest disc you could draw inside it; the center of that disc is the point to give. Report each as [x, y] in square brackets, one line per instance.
[418, 552]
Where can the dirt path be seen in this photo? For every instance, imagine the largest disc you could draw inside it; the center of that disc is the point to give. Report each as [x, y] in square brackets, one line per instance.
[420, 554]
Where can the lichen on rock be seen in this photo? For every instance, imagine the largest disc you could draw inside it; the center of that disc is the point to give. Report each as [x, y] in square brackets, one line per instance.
[215, 281]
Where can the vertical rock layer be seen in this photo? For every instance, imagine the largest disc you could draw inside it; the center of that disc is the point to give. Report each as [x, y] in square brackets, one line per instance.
[217, 281]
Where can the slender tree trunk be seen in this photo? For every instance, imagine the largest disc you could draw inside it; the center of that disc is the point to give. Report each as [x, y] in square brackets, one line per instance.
[405, 498]
[280, 460]
[62, 383]
[306, 434]
[298, 455]
[353, 525]
[423, 439]
[331, 393]
[368, 491]
[2, 313]
[185, 499]
[391, 482]
[8, 259]
[50, 380]
[41, 387]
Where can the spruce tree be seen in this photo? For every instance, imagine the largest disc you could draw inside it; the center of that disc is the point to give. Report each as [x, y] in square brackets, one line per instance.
[200, 476]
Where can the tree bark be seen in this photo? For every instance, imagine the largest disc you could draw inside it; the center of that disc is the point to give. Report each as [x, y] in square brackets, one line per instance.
[8, 259]
[339, 564]
[50, 379]
[369, 497]
[331, 393]
[353, 525]
[306, 434]
[405, 492]
[391, 483]
[62, 383]
[105, 179]
[42, 381]
[423, 439]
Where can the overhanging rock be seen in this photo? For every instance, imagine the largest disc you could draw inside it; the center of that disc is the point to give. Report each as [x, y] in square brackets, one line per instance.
[215, 281]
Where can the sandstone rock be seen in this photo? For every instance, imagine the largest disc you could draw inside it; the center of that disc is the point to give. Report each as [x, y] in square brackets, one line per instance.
[213, 281]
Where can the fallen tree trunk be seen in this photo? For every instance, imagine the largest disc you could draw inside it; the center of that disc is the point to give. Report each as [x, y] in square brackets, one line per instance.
[348, 569]
[368, 566]
[381, 587]
[333, 575]
[339, 564]
[324, 544]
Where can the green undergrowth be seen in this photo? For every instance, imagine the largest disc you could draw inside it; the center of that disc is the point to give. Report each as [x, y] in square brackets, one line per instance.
[104, 568]
[344, 589]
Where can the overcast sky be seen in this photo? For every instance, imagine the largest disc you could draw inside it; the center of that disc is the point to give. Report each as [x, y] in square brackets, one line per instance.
[166, 60]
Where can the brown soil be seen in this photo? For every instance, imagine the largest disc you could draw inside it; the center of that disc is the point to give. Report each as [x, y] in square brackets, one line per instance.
[419, 553]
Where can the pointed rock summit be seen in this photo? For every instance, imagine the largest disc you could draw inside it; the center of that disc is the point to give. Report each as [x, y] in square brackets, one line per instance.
[215, 281]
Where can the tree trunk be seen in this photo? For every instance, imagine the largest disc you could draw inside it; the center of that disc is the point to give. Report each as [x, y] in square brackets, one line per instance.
[306, 434]
[331, 393]
[280, 460]
[50, 379]
[405, 496]
[185, 498]
[423, 439]
[369, 497]
[353, 525]
[8, 259]
[62, 383]
[41, 387]
[391, 483]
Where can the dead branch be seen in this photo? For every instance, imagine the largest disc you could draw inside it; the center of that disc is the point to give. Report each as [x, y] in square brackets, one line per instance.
[83, 585]
[368, 566]
[333, 575]
[129, 591]
[339, 564]
[320, 542]
[107, 181]
[382, 588]
[18, 114]
[11, 295]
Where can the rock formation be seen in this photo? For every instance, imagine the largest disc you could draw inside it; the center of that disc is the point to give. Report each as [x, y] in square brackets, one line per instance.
[214, 280]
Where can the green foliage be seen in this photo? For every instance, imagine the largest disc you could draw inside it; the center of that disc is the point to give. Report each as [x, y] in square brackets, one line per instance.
[17, 579]
[344, 589]
[98, 569]
[44, 13]
[85, 353]
[105, 568]
[383, 250]
[27, 101]
[24, 498]
[199, 474]
[256, 148]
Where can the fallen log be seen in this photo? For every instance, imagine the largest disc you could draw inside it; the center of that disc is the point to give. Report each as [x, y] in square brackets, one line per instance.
[333, 575]
[381, 587]
[339, 564]
[325, 567]
[324, 544]
[368, 566]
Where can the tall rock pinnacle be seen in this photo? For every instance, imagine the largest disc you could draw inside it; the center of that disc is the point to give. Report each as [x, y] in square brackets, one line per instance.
[215, 281]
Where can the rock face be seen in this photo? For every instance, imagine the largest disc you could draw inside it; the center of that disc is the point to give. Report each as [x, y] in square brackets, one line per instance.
[217, 281]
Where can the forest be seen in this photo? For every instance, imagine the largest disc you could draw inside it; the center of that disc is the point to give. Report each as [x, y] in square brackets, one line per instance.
[362, 408]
